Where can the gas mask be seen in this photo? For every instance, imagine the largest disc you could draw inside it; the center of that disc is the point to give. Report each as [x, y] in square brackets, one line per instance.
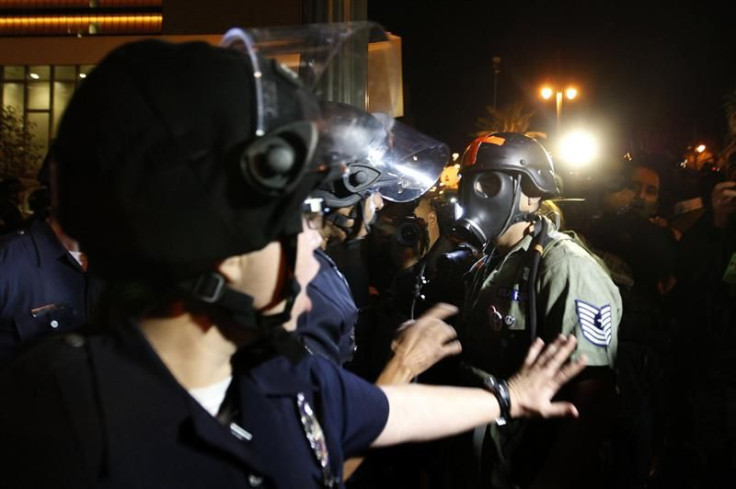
[490, 203]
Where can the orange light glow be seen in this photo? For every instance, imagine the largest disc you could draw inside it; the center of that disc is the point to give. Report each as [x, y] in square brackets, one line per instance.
[35, 4]
[571, 93]
[546, 93]
[80, 23]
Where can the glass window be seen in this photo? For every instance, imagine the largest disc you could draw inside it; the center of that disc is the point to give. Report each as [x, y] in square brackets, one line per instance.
[13, 95]
[65, 72]
[39, 96]
[14, 72]
[40, 73]
[40, 131]
[62, 94]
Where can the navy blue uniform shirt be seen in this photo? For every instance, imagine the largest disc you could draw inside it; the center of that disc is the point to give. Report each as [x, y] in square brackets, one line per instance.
[328, 329]
[103, 411]
[43, 288]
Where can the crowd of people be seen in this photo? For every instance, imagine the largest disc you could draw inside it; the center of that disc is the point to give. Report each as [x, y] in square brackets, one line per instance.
[229, 281]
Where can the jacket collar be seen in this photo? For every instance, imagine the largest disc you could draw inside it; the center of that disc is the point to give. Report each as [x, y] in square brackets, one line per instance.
[141, 399]
[48, 246]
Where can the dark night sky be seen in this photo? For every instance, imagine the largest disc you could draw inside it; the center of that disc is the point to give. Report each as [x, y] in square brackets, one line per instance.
[646, 72]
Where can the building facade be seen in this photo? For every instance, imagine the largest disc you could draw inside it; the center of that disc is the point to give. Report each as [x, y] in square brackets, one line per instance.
[47, 47]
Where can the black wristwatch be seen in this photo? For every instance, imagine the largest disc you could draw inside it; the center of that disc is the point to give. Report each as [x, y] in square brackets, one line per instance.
[500, 389]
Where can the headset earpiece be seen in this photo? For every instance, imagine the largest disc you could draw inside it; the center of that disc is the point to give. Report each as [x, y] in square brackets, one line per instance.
[274, 163]
[269, 162]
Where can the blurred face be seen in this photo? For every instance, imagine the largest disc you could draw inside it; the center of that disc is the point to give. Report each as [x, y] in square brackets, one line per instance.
[371, 205]
[307, 267]
[644, 182]
[261, 274]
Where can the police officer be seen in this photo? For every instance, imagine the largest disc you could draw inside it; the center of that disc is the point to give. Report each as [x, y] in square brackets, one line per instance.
[185, 186]
[382, 157]
[533, 281]
[43, 286]
[352, 205]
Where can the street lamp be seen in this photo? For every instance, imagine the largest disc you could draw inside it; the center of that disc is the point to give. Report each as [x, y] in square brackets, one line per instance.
[570, 93]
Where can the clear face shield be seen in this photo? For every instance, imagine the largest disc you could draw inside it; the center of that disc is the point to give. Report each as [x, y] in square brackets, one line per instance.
[356, 66]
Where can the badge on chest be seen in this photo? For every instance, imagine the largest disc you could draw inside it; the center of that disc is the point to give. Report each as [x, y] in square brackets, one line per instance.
[500, 320]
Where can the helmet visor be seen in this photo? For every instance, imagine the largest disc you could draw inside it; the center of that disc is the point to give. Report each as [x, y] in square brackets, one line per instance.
[356, 64]
[410, 165]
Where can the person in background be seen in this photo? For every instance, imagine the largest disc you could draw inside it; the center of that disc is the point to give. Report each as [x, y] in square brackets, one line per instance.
[689, 201]
[702, 313]
[639, 249]
[44, 287]
[644, 182]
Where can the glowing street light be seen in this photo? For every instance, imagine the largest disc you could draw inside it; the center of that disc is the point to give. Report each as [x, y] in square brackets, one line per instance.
[548, 91]
[579, 148]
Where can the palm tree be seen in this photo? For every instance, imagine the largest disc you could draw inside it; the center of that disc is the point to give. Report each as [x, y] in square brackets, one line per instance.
[511, 118]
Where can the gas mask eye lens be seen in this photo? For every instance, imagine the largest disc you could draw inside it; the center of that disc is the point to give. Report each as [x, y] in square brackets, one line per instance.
[487, 185]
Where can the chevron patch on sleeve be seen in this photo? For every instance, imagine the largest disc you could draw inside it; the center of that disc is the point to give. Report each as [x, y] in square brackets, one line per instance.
[595, 322]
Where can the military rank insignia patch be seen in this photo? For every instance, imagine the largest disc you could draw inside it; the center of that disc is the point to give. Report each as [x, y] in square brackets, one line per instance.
[595, 322]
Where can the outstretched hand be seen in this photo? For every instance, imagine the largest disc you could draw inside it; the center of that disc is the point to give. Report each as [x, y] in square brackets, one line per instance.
[543, 373]
[420, 344]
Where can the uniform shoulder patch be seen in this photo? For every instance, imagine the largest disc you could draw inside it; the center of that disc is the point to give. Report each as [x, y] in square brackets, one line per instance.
[595, 322]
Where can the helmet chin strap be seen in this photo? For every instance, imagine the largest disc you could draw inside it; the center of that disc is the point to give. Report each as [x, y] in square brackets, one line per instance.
[210, 294]
[342, 221]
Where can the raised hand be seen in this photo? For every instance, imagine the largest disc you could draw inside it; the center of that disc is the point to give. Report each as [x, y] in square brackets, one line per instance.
[545, 370]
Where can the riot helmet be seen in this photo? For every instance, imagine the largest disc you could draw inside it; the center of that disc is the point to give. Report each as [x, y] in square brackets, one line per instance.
[495, 169]
[381, 155]
[353, 70]
[161, 171]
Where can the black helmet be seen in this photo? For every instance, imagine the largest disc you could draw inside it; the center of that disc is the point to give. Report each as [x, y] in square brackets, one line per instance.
[491, 184]
[161, 170]
[512, 152]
